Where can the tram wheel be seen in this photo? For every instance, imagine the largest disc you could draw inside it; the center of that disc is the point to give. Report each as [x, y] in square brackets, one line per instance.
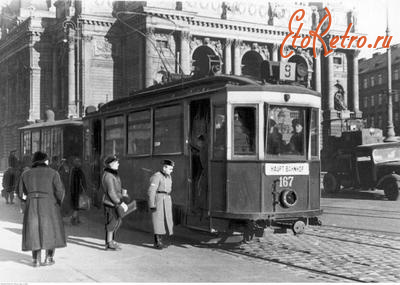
[331, 183]
[391, 189]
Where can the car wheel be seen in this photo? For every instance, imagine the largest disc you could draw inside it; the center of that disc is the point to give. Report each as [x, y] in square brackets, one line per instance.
[331, 183]
[391, 189]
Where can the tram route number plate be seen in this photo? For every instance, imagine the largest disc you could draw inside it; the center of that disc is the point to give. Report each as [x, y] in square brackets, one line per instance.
[287, 169]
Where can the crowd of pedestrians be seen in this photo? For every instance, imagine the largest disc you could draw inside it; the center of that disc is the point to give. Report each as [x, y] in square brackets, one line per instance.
[50, 191]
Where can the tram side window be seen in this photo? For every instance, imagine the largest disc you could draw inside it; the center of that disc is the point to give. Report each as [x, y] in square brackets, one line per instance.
[46, 141]
[244, 123]
[114, 136]
[35, 141]
[27, 149]
[139, 132]
[219, 132]
[56, 143]
[168, 122]
[314, 133]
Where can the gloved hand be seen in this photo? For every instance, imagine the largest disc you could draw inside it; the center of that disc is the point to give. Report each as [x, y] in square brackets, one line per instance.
[124, 206]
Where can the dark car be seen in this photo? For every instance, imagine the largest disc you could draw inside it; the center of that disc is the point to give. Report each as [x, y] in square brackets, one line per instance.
[371, 166]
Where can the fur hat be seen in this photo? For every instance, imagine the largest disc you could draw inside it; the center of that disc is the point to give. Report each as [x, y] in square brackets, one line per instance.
[110, 159]
[39, 157]
[168, 162]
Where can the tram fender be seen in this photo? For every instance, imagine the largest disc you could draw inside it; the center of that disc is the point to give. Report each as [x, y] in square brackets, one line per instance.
[383, 179]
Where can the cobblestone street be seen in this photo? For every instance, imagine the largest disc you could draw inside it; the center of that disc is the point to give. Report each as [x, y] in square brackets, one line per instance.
[332, 254]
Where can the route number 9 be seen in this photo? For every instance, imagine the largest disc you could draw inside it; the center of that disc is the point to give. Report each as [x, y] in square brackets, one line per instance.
[285, 181]
[287, 71]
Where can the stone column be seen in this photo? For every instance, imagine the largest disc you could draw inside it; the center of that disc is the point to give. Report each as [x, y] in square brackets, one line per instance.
[237, 58]
[185, 58]
[228, 56]
[71, 76]
[355, 81]
[149, 80]
[317, 63]
[54, 69]
[275, 49]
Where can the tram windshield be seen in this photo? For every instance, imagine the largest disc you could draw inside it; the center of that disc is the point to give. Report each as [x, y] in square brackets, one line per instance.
[286, 129]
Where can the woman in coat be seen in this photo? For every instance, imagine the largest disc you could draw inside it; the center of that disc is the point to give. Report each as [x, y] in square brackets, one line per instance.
[160, 202]
[43, 227]
[112, 198]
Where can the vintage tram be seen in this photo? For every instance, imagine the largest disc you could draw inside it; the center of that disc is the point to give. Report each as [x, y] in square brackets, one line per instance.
[246, 154]
[58, 138]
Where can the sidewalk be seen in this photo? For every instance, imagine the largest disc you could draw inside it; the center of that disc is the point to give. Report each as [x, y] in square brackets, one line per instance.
[85, 260]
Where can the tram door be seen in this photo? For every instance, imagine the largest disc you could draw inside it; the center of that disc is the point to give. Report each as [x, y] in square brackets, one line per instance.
[95, 156]
[199, 139]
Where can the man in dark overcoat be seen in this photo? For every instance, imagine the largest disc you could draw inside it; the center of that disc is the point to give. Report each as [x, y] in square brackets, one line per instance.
[77, 186]
[160, 202]
[43, 227]
[64, 171]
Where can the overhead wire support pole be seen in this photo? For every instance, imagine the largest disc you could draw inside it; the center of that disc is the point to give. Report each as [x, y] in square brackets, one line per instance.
[390, 136]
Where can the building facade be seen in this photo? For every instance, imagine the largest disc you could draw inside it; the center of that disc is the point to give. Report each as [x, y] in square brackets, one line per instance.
[66, 55]
[373, 89]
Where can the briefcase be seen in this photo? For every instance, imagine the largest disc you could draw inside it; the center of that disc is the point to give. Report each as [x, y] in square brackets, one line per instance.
[131, 207]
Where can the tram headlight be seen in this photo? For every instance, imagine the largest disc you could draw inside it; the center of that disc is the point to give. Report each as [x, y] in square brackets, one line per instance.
[288, 198]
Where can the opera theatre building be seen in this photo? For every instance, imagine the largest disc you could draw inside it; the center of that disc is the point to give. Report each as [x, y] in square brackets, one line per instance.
[65, 56]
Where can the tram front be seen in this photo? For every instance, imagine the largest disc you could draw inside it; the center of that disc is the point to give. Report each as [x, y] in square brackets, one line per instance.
[272, 166]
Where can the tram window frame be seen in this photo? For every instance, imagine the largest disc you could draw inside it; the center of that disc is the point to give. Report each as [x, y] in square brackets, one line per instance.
[314, 138]
[219, 138]
[304, 114]
[250, 155]
[122, 123]
[26, 141]
[180, 136]
[37, 141]
[149, 129]
[56, 142]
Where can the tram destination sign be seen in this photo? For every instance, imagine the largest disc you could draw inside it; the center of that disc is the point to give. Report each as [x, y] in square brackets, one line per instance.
[287, 169]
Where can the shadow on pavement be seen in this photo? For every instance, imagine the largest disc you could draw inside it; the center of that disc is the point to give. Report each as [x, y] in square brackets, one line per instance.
[8, 255]
[356, 194]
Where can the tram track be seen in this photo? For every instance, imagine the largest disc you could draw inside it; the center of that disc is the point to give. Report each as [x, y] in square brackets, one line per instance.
[338, 277]
[329, 254]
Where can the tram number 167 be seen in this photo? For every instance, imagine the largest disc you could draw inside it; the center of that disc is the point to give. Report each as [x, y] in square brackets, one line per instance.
[285, 181]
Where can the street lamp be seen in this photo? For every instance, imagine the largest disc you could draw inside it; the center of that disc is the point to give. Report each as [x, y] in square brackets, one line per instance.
[391, 136]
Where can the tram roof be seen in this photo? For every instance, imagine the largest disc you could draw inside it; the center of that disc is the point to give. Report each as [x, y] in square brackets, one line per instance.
[66, 122]
[231, 82]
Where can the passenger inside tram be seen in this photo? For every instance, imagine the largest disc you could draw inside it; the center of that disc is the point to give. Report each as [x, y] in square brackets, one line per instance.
[296, 143]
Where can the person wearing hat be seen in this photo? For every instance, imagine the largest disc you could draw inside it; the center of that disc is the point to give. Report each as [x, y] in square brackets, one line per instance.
[160, 202]
[296, 143]
[42, 228]
[112, 198]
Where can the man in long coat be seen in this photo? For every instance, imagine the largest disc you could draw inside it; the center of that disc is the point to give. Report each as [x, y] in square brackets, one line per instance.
[77, 185]
[43, 227]
[160, 202]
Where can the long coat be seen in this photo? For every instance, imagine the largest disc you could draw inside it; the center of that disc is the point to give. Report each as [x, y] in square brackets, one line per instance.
[162, 216]
[42, 225]
[77, 185]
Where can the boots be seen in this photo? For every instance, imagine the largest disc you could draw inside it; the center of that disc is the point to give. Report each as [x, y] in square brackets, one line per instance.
[36, 258]
[158, 242]
[49, 260]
